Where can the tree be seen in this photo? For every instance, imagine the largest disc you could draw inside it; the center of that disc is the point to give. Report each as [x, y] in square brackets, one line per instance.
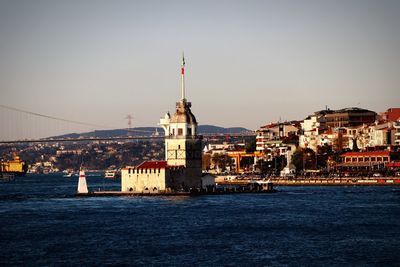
[303, 159]
[251, 145]
[220, 161]
[247, 162]
[297, 159]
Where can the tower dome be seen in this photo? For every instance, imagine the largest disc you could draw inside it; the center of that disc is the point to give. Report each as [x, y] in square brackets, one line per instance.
[183, 113]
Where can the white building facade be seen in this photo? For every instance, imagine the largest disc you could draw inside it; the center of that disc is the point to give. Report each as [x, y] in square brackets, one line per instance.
[311, 128]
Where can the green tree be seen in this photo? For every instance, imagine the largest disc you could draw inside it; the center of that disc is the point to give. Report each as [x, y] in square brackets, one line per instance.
[220, 160]
[304, 159]
[251, 145]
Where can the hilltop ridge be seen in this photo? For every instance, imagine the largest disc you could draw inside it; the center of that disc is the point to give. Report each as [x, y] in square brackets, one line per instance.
[148, 131]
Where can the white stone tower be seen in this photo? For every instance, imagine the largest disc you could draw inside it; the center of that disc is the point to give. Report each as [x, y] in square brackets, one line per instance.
[183, 146]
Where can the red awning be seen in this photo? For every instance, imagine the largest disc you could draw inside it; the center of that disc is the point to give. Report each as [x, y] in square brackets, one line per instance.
[393, 164]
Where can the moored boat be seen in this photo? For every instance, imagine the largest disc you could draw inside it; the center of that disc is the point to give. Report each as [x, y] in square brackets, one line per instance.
[111, 174]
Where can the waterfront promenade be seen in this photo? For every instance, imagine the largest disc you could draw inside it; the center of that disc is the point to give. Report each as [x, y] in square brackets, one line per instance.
[319, 181]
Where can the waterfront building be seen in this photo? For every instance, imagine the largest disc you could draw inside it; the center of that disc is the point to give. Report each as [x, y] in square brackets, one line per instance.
[396, 127]
[334, 122]
[182, 168]
[366, 136]
[367, 160]
[277, 139]
[15, 166]
[216, 157]
[274, 132]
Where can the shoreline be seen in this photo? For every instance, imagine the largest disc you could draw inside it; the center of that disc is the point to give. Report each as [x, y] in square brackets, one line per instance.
[181, 194]
[354, 181]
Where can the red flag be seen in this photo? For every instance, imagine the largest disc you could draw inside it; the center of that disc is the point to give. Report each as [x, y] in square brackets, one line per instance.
[183, 70]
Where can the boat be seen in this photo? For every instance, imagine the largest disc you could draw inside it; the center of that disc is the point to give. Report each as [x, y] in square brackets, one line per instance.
[111, 174]
[68, 174]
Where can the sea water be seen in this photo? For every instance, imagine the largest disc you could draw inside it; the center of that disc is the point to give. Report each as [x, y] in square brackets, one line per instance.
[44, 224]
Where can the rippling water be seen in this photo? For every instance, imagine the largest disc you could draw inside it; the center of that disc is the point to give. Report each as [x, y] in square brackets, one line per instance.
[42, 223]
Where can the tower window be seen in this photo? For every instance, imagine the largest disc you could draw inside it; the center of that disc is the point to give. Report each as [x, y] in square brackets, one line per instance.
[180, 131]
[189, 131]
[179, 146]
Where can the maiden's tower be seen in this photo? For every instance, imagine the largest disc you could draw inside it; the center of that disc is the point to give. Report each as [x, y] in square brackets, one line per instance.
[181, 169]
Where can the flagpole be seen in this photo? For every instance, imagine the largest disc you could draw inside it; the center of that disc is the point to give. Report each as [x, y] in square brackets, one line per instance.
[183, 77]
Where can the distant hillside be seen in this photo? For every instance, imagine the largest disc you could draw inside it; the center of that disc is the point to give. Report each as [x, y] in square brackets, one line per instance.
[221, 130]
[146, 131]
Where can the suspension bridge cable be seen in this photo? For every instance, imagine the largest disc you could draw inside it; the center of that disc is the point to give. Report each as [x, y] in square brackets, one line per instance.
[52, 117]
[67, 120]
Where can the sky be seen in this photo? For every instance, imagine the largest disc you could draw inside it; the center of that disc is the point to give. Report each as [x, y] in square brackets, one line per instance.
[248, 63]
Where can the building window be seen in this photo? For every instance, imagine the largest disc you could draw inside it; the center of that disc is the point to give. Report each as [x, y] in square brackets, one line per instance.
[360, 159]
[385, 159]
[373, 159]
[189, 131]
[379, 159]
[179, 146]
[353, 159]
[367, 159]
[180, 131]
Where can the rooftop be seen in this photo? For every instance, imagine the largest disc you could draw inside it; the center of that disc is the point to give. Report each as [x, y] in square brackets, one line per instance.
[152, 164]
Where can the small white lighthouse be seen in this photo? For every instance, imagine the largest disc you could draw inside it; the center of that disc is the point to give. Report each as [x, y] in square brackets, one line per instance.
[82, 186]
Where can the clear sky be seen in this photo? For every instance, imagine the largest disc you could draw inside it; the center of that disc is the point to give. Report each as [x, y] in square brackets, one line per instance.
[247, 62]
